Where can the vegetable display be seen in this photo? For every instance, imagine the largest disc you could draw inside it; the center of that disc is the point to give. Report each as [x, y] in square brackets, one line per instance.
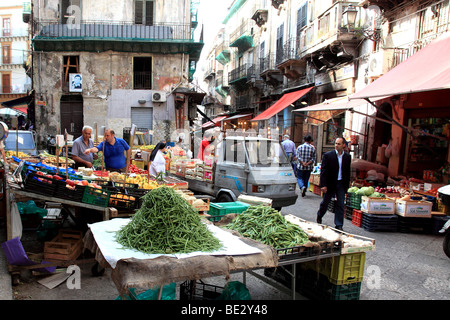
[166, 223]
[268, 226]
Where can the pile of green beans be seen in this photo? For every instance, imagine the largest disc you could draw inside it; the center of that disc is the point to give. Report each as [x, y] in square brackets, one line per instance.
[268, 226]
[166, 223]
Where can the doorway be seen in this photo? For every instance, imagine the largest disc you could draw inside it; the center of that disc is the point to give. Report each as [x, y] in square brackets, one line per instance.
[72, 115]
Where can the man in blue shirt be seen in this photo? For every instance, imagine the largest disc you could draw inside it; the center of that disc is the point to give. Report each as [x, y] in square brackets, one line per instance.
[114, 155]
[289, 148]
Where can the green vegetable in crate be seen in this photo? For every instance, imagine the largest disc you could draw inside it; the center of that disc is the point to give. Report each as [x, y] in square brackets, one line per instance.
[352, 189]
[166, 223]
[268, 226]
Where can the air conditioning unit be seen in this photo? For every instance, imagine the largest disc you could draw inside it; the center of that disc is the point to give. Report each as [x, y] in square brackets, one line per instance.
[375, 65]
[158, 96]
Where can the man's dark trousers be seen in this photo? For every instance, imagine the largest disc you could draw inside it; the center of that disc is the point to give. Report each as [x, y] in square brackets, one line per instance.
[340, 204]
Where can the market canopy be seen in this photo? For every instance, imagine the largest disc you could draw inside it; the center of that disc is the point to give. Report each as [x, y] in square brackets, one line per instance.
[213, 122]
[426, 70]
[286, 100]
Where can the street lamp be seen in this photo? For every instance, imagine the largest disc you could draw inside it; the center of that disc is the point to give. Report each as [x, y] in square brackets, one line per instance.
[349, 20]
[349, 17]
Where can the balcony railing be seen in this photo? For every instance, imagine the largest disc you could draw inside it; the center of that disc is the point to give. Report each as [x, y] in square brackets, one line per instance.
[142, 80]
[323, 30]
[242, 37]
[19, 88]
[242, 102]
[14, 60]
[267, 63]
[14, 32]
[287, 52]
[110, 30]
[221, 79]
[238, 73]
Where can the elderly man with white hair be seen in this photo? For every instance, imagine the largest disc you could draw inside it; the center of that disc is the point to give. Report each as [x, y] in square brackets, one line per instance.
[80, 145]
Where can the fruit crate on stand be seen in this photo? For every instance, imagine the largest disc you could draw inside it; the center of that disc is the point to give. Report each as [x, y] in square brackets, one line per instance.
[95, 196]
[353, 200]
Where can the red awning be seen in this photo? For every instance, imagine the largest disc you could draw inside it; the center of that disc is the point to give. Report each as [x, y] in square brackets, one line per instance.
[214, 122]
[23, 109]
[426, 70]
[286, 100]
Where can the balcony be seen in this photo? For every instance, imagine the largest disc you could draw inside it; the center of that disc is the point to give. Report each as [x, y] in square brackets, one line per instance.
[287, 60]
[162, 38]
[223, 53]
[13, 33]
[260, 15]
[238, 77]
[13, 62]
[268, 70]
[209, 74]
[277, 3]
[326, 31]
[254, 77]
[222, 86]
[242, 37]
[242, 102]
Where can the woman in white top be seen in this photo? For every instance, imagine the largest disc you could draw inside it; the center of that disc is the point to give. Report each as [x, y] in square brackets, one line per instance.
[158, 163]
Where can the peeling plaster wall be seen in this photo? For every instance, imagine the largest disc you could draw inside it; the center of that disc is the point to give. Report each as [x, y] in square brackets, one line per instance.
[108, 93]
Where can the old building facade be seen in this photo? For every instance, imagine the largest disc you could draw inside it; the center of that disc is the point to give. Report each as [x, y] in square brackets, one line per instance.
[277, 47]
[135, 60]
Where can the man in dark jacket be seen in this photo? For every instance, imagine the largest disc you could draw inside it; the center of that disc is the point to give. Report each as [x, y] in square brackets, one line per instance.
[335, 180]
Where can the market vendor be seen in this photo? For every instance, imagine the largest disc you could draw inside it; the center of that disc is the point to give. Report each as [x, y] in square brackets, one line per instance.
[158, 162]
[80, 145]
[206, 145]
[114, 151]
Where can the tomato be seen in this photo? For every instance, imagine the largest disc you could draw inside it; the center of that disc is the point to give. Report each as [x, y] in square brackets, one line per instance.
[70, 182]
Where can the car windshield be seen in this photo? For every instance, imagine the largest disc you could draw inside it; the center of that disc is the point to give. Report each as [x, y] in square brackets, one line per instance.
[25, 140]
[266, 153]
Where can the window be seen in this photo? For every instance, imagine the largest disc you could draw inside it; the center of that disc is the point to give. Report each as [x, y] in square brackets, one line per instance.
[302, 17]
[71, 64]
[6, 53]
[6, 27]
[143, 12]
[280, 33]
[68, 13]
[142, 73]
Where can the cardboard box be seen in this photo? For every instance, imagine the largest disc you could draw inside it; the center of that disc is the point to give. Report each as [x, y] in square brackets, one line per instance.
[208, 162]
[411, 208]
[208, 176]
[427, 186]
[378, 205]
[316, 179]
[416, 186]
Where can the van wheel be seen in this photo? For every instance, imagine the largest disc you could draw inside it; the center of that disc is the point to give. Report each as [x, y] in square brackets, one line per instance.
[224, 197]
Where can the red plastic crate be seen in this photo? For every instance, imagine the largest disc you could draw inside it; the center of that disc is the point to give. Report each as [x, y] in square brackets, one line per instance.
[357, 217]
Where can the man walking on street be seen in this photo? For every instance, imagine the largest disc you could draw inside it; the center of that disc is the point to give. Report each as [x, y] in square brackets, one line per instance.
[335, 180]
[289, 148]
[306, 156]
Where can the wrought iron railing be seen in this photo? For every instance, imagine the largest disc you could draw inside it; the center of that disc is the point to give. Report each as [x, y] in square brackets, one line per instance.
[111, 30]
[238, 73]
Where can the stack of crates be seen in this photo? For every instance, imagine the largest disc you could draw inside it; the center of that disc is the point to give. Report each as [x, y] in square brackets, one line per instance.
[335, 278]
[352, 201]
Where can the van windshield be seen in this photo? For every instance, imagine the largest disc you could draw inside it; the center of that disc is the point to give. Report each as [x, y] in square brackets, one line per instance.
[25, 141]
[266, 153]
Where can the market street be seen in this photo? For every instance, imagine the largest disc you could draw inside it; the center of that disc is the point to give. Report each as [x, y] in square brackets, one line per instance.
[411, 267]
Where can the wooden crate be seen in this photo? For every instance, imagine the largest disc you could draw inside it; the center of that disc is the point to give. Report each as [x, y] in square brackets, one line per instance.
[67, 245]
[376, 205]
[204, 207]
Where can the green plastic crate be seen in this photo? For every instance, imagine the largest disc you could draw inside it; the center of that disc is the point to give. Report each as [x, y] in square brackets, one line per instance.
[343, 269]
[318, 287]
[97, 197]
[353, 200]
[218, 209]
